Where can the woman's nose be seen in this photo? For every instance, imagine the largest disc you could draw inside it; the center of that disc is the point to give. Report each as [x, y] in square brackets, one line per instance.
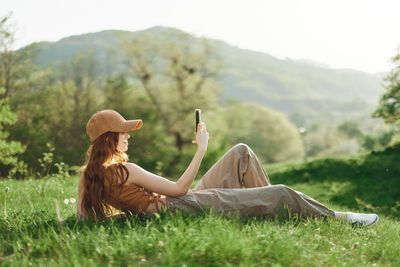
[128, 136]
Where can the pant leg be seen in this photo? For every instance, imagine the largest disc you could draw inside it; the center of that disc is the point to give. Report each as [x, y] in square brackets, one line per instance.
[274, 200]
[238, 168]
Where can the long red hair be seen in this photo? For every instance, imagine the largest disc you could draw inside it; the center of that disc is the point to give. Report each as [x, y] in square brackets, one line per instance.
[100, 175]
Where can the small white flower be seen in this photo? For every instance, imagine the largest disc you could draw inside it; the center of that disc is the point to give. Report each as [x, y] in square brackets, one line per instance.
[66, 201]
[72, 200]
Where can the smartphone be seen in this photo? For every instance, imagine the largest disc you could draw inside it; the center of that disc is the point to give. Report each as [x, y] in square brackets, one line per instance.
[198, 117]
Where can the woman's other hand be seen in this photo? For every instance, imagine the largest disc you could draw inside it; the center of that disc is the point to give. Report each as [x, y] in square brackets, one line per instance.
[202, 136]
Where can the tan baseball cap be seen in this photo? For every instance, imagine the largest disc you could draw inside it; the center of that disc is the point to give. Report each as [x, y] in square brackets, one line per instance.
[109, 121]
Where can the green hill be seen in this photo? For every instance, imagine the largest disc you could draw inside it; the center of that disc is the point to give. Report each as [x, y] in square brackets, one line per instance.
[304, 91]
[370, 181]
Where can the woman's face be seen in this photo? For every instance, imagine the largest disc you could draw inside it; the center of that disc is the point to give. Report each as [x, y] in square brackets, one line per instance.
[123, 141]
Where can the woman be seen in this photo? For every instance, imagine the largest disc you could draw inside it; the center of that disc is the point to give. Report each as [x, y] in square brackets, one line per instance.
[237, 182]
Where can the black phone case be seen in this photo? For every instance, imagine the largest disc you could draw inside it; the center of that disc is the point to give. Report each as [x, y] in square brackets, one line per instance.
[198, 117]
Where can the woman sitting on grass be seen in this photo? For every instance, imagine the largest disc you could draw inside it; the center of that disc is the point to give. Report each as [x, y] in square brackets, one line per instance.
[236, 183]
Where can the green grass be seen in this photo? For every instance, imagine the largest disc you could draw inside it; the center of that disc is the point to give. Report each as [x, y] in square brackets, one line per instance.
[370, 182]
[40, 229]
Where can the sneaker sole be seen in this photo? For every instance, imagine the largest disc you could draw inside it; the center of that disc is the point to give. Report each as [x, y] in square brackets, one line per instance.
[357, 224]
[374, 222]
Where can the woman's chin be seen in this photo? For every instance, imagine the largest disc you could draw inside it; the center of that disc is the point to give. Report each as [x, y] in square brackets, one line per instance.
[123, 149]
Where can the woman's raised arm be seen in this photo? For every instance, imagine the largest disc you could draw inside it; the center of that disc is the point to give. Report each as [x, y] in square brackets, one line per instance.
[163, 186]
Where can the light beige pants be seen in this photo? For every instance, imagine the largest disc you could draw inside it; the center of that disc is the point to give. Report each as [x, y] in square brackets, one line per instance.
[238, 183]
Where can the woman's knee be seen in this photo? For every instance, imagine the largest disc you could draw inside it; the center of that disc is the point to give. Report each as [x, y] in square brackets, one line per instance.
[242, 148]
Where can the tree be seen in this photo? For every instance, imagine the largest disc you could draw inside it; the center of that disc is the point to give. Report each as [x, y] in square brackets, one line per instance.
[117, 93]
[178, 76]
[324, 140]
[389, 104]
[267, 131]
[351, 129]
[9, 150]
[10, 71]
[15, 66]
[72, 96]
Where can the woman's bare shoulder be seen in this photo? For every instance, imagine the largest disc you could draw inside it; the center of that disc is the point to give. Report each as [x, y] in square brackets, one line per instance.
[135, 171]
[135, 168]
[132, 166]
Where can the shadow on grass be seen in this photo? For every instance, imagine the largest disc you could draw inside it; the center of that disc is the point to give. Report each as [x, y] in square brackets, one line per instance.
[40, 223]
[374, 179]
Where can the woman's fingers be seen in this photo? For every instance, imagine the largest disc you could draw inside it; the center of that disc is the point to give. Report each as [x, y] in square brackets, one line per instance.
[201, 127]
[201, 135]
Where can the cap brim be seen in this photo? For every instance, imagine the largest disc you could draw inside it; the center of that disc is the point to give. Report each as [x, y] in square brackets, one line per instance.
[131, 125]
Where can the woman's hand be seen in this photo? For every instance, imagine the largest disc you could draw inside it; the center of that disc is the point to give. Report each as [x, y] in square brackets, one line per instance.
[202, 136]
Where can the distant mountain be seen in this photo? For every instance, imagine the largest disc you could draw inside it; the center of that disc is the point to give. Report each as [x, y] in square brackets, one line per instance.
[305, 91]
[313, 63]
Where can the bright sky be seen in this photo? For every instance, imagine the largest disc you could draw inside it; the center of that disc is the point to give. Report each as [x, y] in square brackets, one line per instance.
[358, 34]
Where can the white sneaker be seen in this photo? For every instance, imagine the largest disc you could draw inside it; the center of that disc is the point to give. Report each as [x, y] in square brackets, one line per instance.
[361, 219]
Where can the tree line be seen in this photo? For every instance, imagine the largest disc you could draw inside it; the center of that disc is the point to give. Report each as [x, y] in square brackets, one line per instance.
[43, 112]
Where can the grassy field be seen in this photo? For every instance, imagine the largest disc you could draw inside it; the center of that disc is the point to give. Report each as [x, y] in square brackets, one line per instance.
[39, 227]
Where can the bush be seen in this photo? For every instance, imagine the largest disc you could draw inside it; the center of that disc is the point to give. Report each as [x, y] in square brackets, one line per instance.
[9, 150]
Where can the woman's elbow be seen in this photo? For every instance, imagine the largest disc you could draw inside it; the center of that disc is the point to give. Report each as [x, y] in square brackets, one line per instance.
[182, 193]
[179, 191]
